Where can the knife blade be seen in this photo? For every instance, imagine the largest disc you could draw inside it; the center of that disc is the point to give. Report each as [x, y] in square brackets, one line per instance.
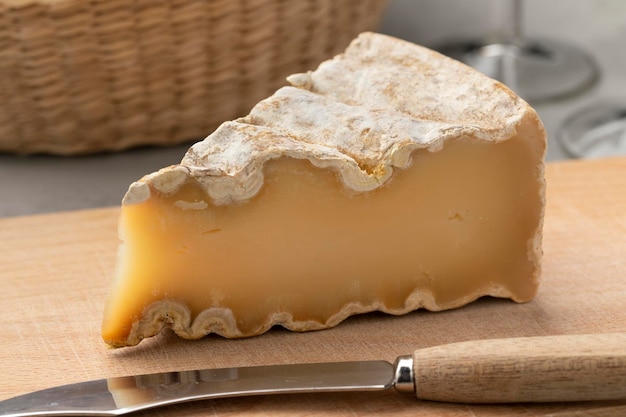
[528, 369]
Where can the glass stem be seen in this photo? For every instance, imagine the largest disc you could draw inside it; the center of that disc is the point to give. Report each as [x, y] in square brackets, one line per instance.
[508, 17]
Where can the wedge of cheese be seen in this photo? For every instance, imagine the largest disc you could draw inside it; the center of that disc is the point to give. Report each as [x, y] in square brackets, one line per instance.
[391, 178]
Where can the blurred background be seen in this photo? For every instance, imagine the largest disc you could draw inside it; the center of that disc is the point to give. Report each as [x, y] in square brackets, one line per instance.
[75, 136]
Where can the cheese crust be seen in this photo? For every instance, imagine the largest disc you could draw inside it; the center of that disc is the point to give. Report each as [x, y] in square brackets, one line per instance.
[362, 114]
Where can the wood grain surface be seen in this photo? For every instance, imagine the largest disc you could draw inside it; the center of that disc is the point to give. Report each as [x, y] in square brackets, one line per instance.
[55, 272]
[579, 367]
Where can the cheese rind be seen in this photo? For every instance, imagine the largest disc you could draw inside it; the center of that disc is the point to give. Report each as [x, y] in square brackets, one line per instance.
[390, 179]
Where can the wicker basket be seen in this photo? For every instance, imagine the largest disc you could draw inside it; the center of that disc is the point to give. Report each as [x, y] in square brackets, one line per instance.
[82, 76]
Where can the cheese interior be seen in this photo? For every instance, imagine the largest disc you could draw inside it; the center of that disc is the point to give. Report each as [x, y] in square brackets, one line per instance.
[456, 224]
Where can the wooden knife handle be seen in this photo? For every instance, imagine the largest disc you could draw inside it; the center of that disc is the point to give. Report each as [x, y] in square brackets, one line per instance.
[528, 369]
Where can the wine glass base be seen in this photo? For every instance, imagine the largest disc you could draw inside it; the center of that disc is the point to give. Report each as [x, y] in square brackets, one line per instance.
[595, 131]
[537, 71]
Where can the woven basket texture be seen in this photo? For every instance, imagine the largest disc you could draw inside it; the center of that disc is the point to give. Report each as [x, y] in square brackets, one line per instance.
[83, 76]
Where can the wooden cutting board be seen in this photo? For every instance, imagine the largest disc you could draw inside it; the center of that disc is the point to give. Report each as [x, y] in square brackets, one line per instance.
[55, 270]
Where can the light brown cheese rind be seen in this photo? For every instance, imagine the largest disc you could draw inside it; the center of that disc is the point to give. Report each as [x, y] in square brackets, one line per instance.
[362, 115]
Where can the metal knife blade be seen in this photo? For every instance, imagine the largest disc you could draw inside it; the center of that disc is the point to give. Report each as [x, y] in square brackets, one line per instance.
[526, 369]
[122, 395]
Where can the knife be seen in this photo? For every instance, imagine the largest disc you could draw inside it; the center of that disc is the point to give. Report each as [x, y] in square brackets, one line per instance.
[528, 369]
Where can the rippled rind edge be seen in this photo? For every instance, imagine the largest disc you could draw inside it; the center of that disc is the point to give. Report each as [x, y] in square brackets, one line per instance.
[229, 162]
[176, 316]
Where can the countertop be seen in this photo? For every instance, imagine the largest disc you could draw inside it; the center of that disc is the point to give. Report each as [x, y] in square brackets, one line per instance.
[40, 183]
